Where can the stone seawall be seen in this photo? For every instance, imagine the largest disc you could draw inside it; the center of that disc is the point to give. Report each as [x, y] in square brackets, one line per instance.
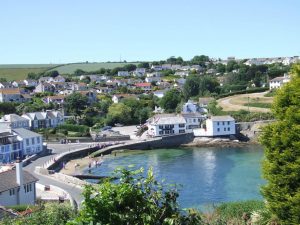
[162, 142]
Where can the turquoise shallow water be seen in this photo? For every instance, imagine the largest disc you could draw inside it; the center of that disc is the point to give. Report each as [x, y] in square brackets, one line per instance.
[207, 175]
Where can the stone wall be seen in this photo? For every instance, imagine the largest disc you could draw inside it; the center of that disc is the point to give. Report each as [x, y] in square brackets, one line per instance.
[162, 142]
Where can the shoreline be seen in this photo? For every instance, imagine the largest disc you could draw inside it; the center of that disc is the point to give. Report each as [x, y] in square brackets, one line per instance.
[77, 166]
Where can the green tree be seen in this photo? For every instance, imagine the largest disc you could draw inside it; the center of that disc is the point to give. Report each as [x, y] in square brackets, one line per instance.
[79, 72]
[118, 113]
[134, 199]
[52, 73]
[170, 100]
[75, 103]
[191, 86]
[281, 167]
[199, 60]
[143, 65]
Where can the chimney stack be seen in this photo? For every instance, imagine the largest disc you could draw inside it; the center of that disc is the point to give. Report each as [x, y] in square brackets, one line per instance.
[19, 171]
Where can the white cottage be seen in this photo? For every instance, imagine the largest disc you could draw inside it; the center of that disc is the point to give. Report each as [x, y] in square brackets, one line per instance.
[166, 124]
[217, 126]
[17, 187]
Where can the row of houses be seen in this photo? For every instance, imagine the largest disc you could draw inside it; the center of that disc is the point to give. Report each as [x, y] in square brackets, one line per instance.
[32, 121]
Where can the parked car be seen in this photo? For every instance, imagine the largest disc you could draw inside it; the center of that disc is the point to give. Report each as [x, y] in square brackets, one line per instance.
[106, 128]
[119, 125]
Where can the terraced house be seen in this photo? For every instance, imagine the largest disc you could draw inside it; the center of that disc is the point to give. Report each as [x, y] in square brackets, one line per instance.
[38, 120]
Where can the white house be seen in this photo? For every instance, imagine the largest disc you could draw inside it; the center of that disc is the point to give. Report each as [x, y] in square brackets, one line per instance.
[46, 119]
[10, 146]
[17, 187]
[166, 124]
[123, 73]
[32, 142]
[30, 83]
[14, 121]
[193, 120]
[278, 82]
[152, 79]
[182, 73]
[217, 126]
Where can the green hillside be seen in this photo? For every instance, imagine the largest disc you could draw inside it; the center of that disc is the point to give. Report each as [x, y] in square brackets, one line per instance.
[20, 71]
[70, 68]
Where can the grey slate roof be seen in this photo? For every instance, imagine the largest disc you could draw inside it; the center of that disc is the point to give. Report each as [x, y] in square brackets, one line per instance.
[24, 133]
[167, 119]
[9, 181]
[13, 118]
[222, 118]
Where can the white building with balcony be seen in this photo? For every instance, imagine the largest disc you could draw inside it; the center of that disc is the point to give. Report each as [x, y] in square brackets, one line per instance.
[166, 124]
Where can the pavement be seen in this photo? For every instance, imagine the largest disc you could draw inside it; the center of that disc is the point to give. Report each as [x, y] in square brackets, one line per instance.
[128, 130]
[73, 190]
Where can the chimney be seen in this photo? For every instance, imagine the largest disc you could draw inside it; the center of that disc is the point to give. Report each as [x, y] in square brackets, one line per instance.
[19, 171]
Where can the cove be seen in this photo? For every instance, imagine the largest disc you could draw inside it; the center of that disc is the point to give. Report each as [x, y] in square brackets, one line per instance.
[206, 175]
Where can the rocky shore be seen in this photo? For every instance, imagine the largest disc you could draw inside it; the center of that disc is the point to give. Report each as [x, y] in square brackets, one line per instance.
[212, 142]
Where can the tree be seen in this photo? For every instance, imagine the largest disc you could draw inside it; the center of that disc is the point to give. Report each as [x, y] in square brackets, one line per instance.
[170, 100]
[129, 67]
[191, 86]
[79, 72]
[281, 167]
[75, 103]
[52, 73]
[143, 65]
[134, 199]
[200, 60]
[118, 113]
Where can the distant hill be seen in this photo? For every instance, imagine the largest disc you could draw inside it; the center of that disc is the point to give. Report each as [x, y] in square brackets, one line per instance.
[20, 71]
[88, 67]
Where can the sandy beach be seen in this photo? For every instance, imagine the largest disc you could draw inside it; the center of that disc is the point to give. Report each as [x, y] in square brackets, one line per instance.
[81, 163]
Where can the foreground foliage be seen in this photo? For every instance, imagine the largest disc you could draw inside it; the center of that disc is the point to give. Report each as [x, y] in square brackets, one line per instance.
[281, 167]
[45, 214]
[135, 199]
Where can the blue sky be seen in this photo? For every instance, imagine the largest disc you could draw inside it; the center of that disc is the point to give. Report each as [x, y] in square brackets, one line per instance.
[61, 31]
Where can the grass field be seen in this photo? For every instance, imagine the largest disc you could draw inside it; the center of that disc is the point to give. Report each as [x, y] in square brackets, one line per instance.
[70, 68]
[259, 104]
[20, 71]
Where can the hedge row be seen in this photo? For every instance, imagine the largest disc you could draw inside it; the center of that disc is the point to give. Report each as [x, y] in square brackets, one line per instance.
[252, 90]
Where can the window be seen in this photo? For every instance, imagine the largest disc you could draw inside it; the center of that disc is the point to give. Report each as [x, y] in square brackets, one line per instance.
[27, 141]
[167, 126]
[167, 132]
[172, 131]
[228, 122]
[218, 129]
[12, 192]
[32, 140]
[181, 125]
[30, 187]
[194, 120]
[160, 132]
[224, 128]
[181, 131]
[38, 140]
[228, 128]
[160, 127]
[223, 123]
[218, 123]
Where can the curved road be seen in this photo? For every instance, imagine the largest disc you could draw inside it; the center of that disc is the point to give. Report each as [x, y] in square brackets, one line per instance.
[228, 103]
[73, 190]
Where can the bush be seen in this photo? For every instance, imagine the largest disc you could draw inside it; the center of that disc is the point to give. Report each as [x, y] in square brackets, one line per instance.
[239, 209]
[248, 91]
[82, 129]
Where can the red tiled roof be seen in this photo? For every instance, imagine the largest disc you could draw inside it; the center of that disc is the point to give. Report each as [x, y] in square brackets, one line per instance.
[143, 85]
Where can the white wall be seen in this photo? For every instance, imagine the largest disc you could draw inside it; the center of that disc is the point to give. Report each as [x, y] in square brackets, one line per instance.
[154, 130]
[19, 198]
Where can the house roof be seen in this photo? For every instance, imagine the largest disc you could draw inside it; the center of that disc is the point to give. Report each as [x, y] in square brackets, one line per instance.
[277, 79]
[12, 118]
[11, 91]
[24, 133]
[9, 181]
[143, 85]
[222, 118]
[159, 119]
